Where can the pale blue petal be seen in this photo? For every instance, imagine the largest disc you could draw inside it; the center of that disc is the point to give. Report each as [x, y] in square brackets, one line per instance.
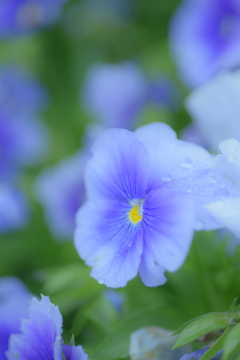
[154, 134]
[174, 161]
[168, 229]
[217, 123]
[118, 168]
[115, 269]
[107, 240]
[74, 353]
[227, 214]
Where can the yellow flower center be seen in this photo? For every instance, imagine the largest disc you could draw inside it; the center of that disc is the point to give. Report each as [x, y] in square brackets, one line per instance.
[135, 215]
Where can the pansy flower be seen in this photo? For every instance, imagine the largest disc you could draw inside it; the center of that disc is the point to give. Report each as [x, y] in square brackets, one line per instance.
[24, 141]
[205, 38]
[14, 208]
[20, 93]
[41, 336]
[139, 217]
[115, 94]
[14, 302]
[21, 17]
[60, 190]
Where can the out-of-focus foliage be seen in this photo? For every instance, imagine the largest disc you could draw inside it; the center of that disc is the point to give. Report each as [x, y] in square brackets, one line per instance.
[60, 57]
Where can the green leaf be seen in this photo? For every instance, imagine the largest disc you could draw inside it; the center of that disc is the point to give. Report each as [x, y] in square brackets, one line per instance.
[218, 345]
[201, 326]
[179, 330]
[231, 344]
[233, 305]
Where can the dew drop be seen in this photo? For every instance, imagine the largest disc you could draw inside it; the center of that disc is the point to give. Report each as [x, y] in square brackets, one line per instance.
[187, 163]
[166, 178]
[101, 281]
[222, 193]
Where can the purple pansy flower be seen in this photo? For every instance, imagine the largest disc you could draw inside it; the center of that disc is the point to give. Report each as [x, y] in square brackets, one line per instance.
[115, 94]
[14, 302]
[60, 190]
[23, 141]
[205, 38]
[21, 94]
[41, 336]
[24, 138]
[139, 216]
[14, 209]
[21, 17]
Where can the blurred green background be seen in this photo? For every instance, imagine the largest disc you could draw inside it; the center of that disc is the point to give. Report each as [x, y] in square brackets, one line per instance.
[209, 278]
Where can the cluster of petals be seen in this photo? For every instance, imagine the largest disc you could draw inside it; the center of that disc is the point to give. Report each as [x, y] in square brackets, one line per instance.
[21, 17]
[146, 193]
[40, 336]
[204, 38]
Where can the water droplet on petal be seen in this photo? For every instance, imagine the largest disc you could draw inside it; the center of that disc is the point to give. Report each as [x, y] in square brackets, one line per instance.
[166, 178]
[101, 281]
[222, 193]
[187, 163]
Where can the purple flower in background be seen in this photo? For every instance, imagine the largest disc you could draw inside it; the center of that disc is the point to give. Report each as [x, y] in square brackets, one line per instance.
[21, 17]
[115, 94]
[14, 209]
[24, 138]
[21, 94]
[14, 302]
[23, 142]
[196, 355]
[60, 190]
[139, 216]
[215, 109]
[205, 38]
[41, 335]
